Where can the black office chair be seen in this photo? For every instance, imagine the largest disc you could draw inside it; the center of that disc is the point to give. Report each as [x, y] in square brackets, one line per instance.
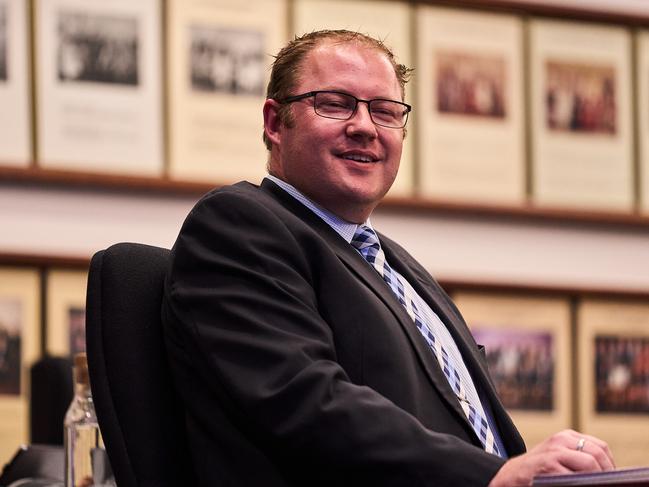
[140, 414]
[50, 395]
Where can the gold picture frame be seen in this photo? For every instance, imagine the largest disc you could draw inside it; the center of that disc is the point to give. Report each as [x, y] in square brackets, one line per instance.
[15, 116]
[581, 118]
[527, 344]
[219, 54]
[470, 117]
[20, 343]
[66, 311]
[99, 112]
[642, 85]
[613, 341]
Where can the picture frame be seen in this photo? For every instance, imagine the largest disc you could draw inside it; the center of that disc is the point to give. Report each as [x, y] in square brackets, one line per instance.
[642, 87]
[20, 342]
[581, 118]
[528, 349]
[66, 311]
[99, 86]
[15, 115]
[388, 21]
[613, 338]
[470, 117]
[215, 114]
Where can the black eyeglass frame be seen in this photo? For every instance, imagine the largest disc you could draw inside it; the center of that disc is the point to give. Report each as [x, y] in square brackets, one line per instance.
[408, 108]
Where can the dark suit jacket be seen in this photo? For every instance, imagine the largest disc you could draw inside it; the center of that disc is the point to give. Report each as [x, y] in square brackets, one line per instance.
[297, 364]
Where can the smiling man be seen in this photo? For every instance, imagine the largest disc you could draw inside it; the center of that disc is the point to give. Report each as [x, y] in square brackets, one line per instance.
[341, 154]
[308, 348]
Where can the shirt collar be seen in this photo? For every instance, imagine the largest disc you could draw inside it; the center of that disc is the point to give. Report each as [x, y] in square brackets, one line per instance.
[344, 228]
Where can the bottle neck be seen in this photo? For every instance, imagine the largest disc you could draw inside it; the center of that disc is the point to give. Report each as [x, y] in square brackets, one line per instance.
[82, 390]
[82, 382]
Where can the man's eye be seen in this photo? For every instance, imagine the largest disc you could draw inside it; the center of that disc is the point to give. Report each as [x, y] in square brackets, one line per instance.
[384, 111]
[334, 104]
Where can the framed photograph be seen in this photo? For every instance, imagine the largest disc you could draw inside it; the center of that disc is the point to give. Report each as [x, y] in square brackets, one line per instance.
[470, 124]
[99, 98]
[521, 363]
[581, 119]
[20, 343]
[219, 57]
[527, 345]
[642, 86]
[388, 21]
[66, 312]
[15, 115]
[613, 338]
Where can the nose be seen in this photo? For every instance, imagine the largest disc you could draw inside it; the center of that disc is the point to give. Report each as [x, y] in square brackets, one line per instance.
[360, 125]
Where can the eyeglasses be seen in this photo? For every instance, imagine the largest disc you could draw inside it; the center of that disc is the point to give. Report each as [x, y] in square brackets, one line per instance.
[342, 106]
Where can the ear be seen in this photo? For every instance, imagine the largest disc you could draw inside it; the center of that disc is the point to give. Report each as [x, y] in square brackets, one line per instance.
[272, 122]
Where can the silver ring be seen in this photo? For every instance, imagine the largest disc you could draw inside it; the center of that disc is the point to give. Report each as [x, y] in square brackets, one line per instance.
[580, 444]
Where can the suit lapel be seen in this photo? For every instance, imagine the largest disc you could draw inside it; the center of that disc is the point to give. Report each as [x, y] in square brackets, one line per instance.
[421, 280]
[368, 275]
[405, 265]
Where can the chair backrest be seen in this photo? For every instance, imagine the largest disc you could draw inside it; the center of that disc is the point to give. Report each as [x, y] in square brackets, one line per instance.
[50, 395]
[139, 412]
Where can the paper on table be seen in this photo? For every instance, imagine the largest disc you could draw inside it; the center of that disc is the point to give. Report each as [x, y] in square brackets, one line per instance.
[636, 477]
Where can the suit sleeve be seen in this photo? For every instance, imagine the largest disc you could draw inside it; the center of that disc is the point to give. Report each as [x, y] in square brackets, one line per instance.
[241, 287]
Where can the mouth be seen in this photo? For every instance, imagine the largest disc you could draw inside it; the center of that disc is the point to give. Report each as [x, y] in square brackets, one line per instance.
[363, 158]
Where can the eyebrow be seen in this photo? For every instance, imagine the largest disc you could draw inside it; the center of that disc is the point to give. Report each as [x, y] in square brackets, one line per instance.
[347, 92]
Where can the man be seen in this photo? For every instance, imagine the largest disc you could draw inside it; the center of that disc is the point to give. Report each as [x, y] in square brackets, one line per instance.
[310, 353]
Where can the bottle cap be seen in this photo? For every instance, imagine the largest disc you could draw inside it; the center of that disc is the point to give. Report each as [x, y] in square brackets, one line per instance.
[81, 376]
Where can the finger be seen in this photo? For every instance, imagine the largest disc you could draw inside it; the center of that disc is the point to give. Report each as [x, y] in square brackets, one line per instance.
[599, 451]
[594, 440]
[602, 445]
[594, 446]
[569, 438]
[563, 439]
[578, 461]
[570, 435]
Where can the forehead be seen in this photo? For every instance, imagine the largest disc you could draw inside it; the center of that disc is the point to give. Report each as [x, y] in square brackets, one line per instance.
[353, 67]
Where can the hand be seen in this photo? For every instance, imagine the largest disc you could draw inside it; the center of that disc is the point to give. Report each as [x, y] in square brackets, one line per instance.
[558, 454]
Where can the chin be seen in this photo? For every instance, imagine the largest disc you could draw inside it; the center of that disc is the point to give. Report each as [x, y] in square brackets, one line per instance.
[370, 192]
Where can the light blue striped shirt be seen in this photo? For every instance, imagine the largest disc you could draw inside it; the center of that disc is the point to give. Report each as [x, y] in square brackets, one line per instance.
[347, 230]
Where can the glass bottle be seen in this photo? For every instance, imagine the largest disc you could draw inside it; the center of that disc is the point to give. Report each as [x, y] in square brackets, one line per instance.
[81, 430]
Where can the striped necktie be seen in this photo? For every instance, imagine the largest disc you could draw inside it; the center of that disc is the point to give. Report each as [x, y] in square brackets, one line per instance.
[366, 242]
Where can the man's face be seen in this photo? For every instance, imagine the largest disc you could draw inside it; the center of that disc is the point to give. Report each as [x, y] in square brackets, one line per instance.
[325, 158]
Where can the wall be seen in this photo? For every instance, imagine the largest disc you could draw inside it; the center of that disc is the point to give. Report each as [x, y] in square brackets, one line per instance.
[77, 223]
[73, 222]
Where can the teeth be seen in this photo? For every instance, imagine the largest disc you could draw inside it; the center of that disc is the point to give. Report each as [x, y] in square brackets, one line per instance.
[358, 158]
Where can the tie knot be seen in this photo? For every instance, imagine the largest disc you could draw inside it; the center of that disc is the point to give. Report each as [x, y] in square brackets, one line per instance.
[365, 237]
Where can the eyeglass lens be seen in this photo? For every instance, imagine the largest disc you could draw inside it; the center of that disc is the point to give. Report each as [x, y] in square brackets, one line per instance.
[341, 106]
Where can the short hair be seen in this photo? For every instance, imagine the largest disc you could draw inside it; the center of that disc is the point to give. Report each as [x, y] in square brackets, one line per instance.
[288, 62]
